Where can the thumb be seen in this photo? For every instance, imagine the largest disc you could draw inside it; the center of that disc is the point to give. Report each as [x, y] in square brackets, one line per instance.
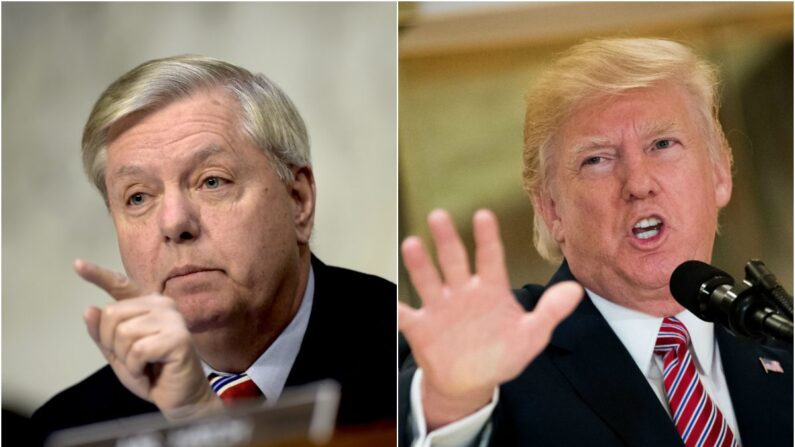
[555, 304]
[92, 316]
[407, 316]
[118, 285]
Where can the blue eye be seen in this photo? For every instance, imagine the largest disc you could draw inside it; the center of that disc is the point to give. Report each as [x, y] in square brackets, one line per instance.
[212, 182]
[136, 199]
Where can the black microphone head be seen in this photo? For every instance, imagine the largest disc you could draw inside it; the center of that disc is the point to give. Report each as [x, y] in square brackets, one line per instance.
[687, 281]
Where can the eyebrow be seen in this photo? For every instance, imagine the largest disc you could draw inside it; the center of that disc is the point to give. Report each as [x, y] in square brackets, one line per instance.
[198, 157]
[588, 143]
[656, 129]
[128, 170]
[595, 142]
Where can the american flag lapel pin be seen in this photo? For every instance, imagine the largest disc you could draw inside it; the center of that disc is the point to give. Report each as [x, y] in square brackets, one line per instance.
[771, 365]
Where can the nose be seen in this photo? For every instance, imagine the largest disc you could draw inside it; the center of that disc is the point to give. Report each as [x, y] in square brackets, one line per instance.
[639, 181]
[179, 218]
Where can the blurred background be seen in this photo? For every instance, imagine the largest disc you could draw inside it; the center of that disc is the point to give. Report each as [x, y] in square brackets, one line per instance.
[336, 61]
[463, 72]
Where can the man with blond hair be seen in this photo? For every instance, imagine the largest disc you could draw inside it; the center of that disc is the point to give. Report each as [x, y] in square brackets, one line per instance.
[627, 167]
[205, 170]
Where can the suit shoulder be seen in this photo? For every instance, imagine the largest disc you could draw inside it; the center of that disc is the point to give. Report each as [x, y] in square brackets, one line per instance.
[361, 278]
[76, 394]
[99, 397]
[357, 287]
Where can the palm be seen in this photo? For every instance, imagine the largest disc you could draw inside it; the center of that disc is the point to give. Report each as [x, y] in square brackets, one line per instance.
[471, 334]
[467, 339]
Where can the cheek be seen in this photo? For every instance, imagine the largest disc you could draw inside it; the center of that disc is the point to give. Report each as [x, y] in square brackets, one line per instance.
[697, 195]
[138, 257]
[248, 236]
[704, 221]
[586, 214]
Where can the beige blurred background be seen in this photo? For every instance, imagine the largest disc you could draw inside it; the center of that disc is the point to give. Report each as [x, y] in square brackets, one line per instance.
[463, 72]
[336, 61]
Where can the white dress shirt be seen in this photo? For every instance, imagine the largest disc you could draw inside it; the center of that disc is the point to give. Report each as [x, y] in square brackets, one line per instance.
[269, 372]
[638, 333]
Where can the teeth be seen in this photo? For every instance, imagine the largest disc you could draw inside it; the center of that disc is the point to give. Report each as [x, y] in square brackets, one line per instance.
[647, 228]
[646, 223]
[647, 234]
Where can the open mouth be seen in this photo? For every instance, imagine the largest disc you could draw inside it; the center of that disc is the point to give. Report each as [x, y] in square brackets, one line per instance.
[647, 228]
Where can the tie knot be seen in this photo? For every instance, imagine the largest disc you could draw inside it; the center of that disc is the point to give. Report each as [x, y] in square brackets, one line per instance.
[231, 387]
[673, 336]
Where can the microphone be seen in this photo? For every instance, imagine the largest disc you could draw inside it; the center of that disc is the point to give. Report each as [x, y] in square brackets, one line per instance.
[711, 294]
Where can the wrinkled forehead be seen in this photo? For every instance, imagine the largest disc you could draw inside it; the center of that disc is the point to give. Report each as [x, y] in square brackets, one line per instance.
[604, 120]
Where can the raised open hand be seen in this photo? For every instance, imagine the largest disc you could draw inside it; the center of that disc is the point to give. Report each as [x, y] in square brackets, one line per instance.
[471, 334]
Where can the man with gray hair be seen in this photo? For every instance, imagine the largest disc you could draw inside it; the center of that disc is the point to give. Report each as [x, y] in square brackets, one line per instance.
[627, 167]
[205, 170]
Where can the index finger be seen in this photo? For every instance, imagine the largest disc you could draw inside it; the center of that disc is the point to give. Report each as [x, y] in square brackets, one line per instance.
[118, 285]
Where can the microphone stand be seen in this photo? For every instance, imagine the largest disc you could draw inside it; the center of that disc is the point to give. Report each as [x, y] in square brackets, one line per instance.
[761, 301]
[757, 273]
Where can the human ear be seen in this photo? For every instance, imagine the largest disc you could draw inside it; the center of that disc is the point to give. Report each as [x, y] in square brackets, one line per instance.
[545, 205]
[303, 192]
[723, 182]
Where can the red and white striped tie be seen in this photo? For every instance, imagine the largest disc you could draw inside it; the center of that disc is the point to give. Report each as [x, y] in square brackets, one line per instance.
[698, 420]
[234, 387]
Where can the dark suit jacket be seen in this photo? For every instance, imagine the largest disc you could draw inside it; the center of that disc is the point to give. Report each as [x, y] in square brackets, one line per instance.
[585, 389]
[350, 338]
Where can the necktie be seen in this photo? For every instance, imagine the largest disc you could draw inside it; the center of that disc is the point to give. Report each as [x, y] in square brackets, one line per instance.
[698, 420]
[234, 387]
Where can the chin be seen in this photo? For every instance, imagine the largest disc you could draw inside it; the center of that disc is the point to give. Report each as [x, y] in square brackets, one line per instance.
[652, 273]
[202, 312]
[204, 323]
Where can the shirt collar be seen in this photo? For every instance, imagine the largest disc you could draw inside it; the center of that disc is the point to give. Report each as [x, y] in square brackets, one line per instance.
[269, 372]
[638, 332]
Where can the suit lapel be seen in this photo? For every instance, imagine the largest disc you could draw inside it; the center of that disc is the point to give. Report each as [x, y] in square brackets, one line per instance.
[762, 401]
[595, 362]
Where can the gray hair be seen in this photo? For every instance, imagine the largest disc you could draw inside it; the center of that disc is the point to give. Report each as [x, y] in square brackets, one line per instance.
[601, 68]
[268, 117]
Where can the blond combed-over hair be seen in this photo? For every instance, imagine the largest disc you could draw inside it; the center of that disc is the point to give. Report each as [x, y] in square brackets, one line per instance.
[598, 69]
[267, 116]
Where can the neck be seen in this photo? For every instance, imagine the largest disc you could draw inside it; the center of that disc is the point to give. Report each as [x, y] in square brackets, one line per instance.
[658, 303]
[661, 305]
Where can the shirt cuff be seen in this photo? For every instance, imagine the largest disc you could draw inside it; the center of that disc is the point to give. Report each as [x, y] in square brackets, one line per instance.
[463, 432]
